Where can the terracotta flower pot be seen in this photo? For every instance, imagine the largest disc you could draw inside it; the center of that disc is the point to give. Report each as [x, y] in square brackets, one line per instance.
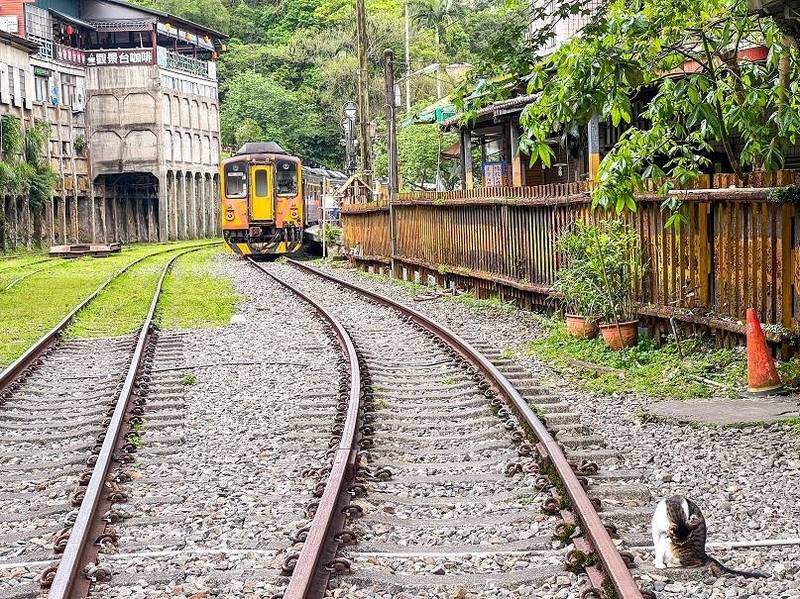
[619, 336]
[583, 327]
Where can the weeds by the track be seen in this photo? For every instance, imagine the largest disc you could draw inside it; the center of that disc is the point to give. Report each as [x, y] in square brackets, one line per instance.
[39, 302]
[189, 379]
[659, 372]
[194, 296]
[122, 307]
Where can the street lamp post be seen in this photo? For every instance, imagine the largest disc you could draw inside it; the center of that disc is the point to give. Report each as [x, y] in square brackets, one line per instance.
[348, 124]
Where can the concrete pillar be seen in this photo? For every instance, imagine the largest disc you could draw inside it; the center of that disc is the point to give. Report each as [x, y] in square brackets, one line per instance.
[163, 208]
[185, 204]
[210, 196]
[179, 180]
[196, 197]
[215, 207]
[63, 207]
[172, 232]
[191, 206]
[114, 212]
[104, 213]
[203, 205]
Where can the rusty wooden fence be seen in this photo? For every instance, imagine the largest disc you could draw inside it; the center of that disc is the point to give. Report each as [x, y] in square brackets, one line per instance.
[736, 251]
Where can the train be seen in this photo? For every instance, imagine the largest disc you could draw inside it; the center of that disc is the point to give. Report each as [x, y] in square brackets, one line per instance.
[270, 203]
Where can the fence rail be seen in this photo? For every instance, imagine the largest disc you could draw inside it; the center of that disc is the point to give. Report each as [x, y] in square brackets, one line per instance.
[737, 249]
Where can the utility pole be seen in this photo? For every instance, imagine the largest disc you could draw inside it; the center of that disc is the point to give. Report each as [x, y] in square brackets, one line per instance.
[391, 134]
[408, 61]
[391, 121]
[364, 140]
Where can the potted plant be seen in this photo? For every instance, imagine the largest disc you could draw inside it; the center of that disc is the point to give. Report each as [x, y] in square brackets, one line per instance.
[616, 260]
[577, 283]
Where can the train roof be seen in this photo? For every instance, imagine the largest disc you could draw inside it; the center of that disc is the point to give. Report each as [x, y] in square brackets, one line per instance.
[261, 147]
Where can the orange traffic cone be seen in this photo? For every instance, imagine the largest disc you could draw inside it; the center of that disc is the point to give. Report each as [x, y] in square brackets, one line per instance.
[762, 377]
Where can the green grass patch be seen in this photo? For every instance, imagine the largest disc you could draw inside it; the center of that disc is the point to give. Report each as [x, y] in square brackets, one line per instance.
[794, 423]
[493, 303]
[122, 307]
[194, 296]
[18, 265]
[39, 302]
[189, 379]
[656, 371]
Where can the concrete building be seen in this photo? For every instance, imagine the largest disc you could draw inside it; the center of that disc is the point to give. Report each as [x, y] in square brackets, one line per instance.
[132, 99]
[16, 220]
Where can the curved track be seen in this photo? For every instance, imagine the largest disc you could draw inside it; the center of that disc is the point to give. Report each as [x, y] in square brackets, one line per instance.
[66, 407]
[11, 374]
[440, 481]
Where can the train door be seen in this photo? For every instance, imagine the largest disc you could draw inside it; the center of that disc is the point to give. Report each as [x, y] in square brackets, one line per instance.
[262, 204]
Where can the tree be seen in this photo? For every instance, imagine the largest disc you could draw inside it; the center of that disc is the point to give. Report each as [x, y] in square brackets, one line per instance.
[248, 130]
[418, 150]
[436, 15]
[24, 168]
[211, 13]
[704, 93]
[682, 61]
[284, 116]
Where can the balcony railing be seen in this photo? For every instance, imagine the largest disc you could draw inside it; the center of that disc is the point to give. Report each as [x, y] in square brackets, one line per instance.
[187, 64]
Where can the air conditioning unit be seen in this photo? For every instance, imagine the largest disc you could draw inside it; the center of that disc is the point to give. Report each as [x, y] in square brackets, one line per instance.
[78, 103]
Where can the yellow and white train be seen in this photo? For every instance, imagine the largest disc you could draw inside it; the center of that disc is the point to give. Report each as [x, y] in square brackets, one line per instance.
[268, 199]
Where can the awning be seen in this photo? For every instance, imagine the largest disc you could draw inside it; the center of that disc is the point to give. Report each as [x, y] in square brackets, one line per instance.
[437, 112]
[70, 19]
[452, 152]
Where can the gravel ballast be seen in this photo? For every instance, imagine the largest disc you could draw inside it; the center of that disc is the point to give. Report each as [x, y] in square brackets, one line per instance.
[217, 491]
[746, 480]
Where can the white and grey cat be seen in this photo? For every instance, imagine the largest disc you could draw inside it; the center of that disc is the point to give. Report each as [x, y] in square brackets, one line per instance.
[679, 538]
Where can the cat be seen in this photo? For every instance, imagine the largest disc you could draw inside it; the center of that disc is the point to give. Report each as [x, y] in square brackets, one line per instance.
[679, 538]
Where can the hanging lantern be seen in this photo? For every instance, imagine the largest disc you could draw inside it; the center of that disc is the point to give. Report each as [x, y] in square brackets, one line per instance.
[70, 30]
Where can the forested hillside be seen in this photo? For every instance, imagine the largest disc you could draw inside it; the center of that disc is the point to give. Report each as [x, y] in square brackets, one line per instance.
[290, 64]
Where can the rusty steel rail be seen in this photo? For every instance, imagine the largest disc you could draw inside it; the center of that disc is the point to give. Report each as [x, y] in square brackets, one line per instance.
[592, 527]
[13, 267]
[82, 547]
[10, 374]
[310, 575]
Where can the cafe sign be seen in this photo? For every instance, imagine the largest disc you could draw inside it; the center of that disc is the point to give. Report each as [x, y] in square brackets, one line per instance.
[122, 57]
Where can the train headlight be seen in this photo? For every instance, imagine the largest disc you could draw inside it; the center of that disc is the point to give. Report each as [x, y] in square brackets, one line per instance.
[229, 213]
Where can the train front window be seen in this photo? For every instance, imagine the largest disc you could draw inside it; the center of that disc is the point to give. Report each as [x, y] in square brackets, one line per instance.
[236, 180]
[286, 178]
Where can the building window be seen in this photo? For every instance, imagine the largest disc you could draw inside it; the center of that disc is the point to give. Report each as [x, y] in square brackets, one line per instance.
[12, 82]
[40, 85]
[68, 87]
[23, 88]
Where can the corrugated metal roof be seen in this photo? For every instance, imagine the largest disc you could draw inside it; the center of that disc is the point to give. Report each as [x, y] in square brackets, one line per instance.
[71, 19]
[496, 109]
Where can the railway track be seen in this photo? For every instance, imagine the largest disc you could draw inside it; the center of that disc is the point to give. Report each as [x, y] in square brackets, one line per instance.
[444, 498]
[438, 480]
[69, 412]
